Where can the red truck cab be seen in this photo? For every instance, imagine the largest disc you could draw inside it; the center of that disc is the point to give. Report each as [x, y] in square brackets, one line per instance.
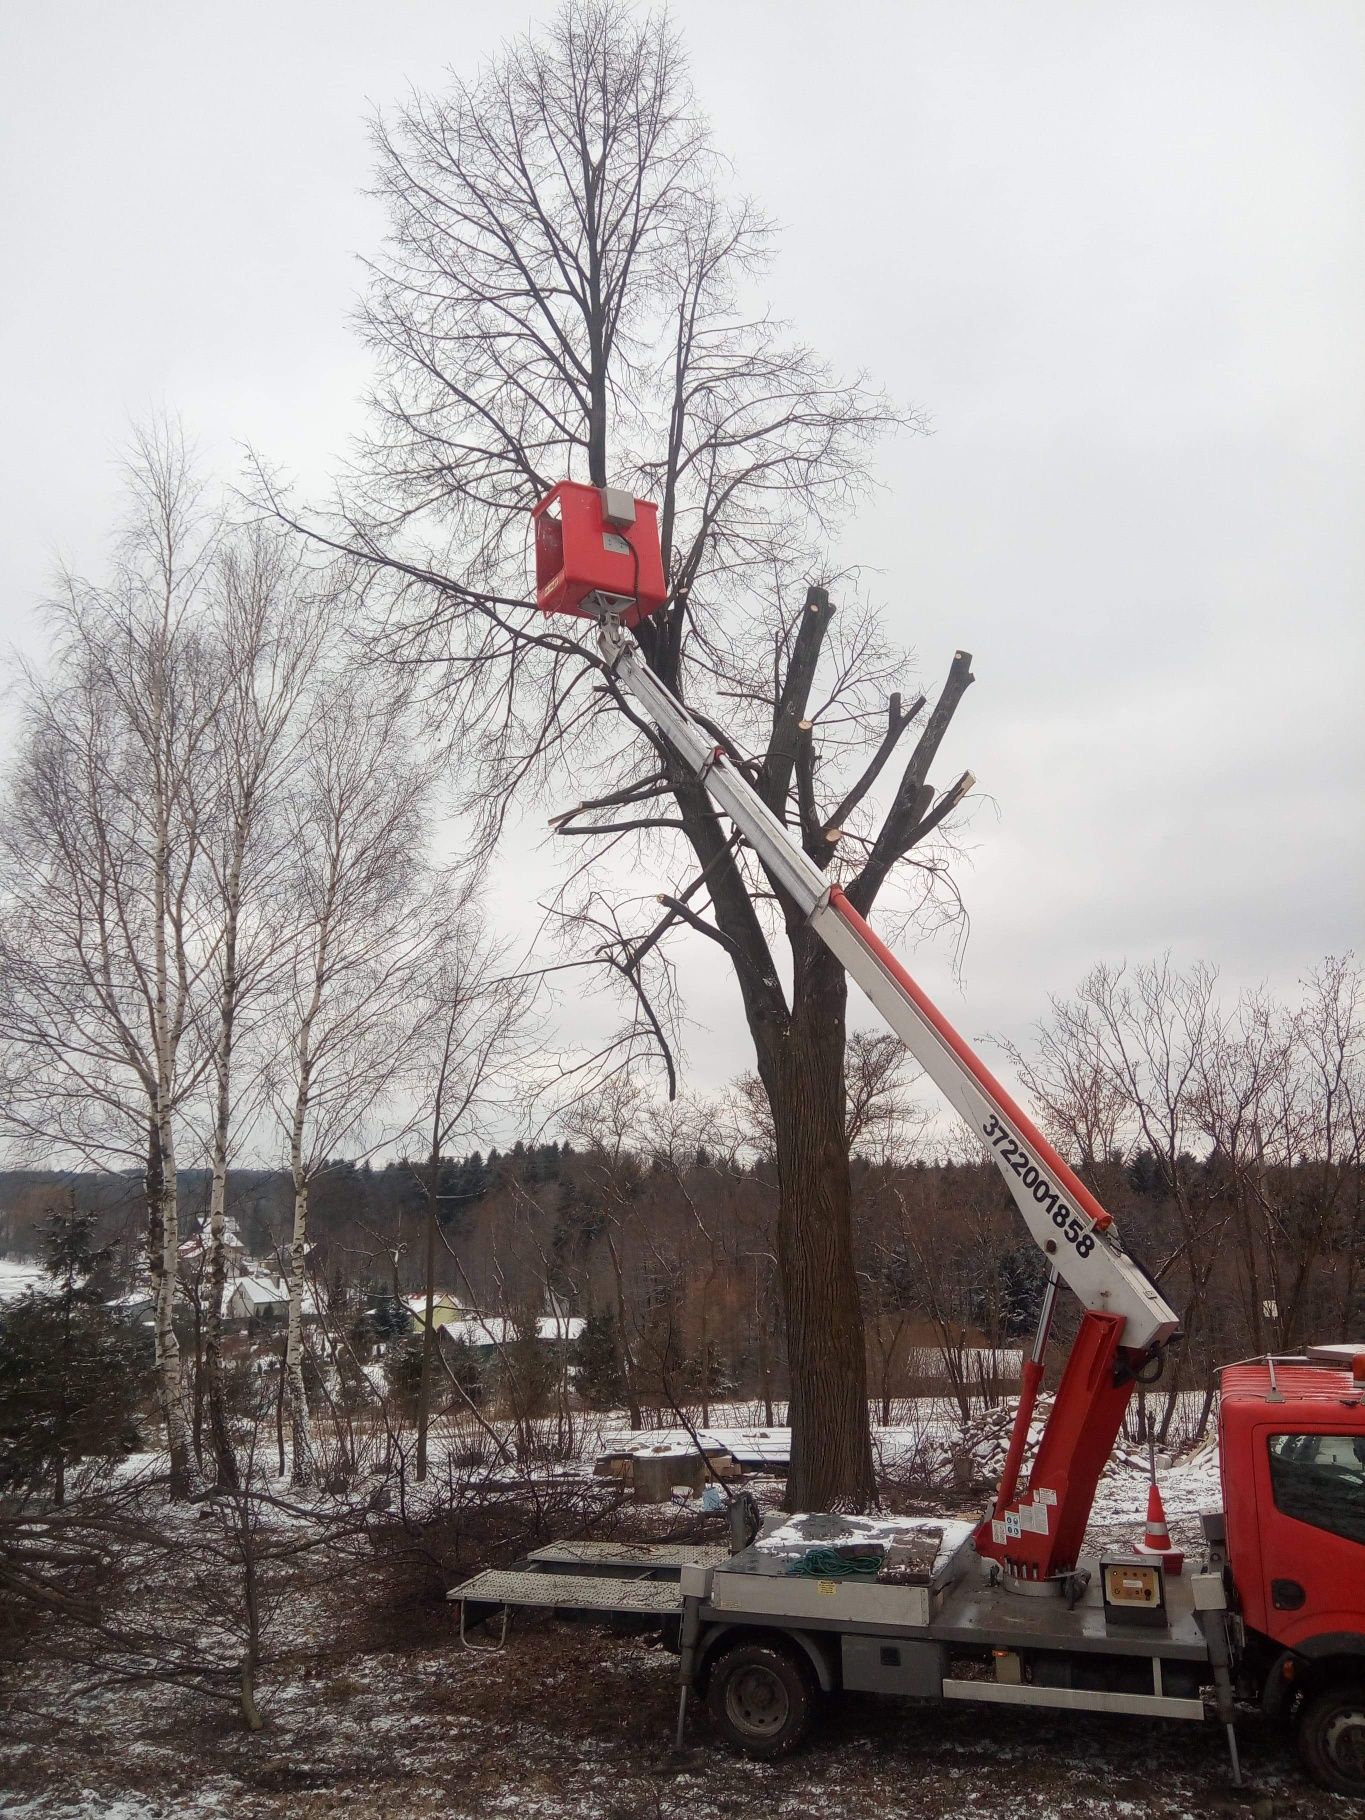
[1292, 1449]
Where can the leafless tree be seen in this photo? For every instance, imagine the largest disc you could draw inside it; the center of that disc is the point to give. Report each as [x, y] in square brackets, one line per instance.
[106, 935]
[1279, 1098]
[567, 289]
[609, 1127]
[1330, 1027]
[880, 1118]
[1137, 1038]
[469, 1021]
[1080, 1099]
[268, 625]
[361, 944]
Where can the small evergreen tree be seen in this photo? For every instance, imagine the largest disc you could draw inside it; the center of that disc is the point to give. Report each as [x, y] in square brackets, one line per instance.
[72, 1375]
[1020, 1276]
[391, 1319]
[462, 1361]
[403, 1372]
[598, 1376]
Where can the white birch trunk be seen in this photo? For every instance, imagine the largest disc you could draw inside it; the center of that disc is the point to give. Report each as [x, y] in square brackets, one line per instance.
[297, 1393]
[222, 1062]
[169, 1375]
[167, 1213]
[217, 1280]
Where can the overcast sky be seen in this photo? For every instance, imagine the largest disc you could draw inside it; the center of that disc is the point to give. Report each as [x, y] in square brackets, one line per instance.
[1116, 254]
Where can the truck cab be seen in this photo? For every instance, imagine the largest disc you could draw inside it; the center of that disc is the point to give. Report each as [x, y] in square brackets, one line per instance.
[1292, 1453]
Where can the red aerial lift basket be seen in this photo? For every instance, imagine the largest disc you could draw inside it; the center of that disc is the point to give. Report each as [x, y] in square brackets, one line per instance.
[597, 541]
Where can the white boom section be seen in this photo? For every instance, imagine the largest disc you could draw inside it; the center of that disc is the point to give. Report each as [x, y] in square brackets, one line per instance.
[1063, 1218]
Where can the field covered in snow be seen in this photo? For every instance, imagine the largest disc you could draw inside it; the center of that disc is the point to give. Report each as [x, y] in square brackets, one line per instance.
[371, 1705]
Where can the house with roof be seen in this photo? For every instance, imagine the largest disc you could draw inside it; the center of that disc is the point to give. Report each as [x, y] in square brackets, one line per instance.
[194, 1250]
[487, 1335]
[257, 1298]
[446, 1307]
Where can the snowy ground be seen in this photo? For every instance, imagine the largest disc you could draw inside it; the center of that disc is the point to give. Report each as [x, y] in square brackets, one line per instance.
[372, 1706]
[18, 1276]
[569, 1722]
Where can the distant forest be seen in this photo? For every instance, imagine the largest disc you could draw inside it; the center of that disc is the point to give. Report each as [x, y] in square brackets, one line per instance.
[676, 1252]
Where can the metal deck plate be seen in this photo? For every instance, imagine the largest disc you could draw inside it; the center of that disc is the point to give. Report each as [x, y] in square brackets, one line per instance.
[578, 1592]
[634, 1554]
[1013, 1621]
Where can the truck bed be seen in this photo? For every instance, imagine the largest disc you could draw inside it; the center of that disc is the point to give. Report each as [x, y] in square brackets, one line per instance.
[909, 1639]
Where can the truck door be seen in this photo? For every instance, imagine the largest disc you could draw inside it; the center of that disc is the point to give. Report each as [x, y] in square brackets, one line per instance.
[1310, 1502]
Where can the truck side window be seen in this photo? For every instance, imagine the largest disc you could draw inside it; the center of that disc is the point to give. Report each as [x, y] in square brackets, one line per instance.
[1320, 1479]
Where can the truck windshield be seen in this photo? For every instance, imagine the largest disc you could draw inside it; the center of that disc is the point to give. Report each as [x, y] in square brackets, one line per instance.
[1320, 1479]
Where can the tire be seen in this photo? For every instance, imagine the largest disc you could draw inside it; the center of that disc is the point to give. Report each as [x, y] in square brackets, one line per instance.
[1332, 1737]
[762, 1698]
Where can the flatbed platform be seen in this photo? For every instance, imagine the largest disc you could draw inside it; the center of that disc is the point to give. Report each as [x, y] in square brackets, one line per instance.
[630, 1579]
[585, 1593]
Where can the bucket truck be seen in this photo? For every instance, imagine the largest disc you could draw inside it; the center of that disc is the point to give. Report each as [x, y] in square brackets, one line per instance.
[1012, 1613]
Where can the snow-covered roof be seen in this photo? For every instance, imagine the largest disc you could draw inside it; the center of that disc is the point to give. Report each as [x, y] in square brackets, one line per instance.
[497, 1330]
[977, 1361]
[263, 1291]
[198, 1241]
[259, 1291]
[756, 1448]
[559, 1326]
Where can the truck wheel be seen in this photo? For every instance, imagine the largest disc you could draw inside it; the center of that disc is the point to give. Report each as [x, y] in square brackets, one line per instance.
[1332, 1737]
[761, 1698]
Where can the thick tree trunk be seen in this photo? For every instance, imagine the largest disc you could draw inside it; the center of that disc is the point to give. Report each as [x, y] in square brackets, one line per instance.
[800, 1050]
[831, 1461]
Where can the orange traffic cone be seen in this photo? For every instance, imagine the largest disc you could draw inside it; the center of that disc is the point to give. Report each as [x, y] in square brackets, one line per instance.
[1157, 1541]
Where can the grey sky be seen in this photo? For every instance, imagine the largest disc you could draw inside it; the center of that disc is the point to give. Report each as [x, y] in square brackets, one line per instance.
[1117, 253]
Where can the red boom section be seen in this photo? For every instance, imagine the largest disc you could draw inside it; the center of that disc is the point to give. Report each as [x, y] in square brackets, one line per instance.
[1040, 1534]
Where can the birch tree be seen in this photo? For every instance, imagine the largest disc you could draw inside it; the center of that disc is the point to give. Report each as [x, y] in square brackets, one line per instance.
[269, 624]
[104, 945]
[361, 941]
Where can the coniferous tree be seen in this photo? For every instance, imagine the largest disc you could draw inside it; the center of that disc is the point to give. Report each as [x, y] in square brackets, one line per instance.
[598, 1376]
[72, 1375]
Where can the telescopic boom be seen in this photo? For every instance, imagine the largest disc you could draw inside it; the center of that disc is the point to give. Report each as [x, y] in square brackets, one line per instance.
[1037, 1534]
